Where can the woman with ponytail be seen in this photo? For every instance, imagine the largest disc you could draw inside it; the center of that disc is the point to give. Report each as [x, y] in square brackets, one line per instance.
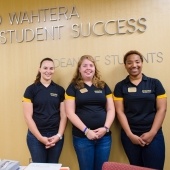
[45, 115]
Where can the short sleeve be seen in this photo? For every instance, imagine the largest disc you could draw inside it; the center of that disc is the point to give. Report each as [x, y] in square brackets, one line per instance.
[62, 94]
[70, 92]
[28, 95]
[117, 92]
[159, 89]
[108, 92]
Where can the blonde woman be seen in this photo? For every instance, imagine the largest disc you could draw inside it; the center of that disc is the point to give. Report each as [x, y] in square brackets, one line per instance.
[89, 106]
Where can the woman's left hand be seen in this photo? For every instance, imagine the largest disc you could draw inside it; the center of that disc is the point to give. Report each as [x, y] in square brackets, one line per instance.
[147, 137]
[53, 140]
[100, 132]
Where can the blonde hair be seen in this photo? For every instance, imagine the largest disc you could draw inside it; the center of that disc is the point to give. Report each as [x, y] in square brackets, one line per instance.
[78, 80]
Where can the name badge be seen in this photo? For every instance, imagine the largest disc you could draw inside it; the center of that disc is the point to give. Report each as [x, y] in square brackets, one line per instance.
[132, 89]
[84, 90]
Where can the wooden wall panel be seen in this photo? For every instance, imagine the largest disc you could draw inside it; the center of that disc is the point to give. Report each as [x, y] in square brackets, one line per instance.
[20, 61]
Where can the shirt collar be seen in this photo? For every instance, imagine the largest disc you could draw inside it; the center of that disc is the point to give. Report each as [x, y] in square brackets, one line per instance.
[144, 78]
[39, 83]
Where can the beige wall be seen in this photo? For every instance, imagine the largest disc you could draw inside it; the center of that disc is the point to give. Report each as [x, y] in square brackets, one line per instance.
[20, 61]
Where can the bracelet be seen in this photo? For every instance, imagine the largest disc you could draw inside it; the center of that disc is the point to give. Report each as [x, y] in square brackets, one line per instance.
[107, 129]
[60, 137]
[85, 129]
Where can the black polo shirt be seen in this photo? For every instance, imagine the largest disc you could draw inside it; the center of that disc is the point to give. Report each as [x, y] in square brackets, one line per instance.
[46, 105]
[139, 101]
[90, 105]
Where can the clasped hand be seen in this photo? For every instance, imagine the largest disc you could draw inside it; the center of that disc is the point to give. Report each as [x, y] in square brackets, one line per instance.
[49, 142]
[144, 139]
[96, 134]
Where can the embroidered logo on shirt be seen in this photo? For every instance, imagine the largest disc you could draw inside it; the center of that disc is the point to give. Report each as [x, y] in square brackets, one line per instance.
[98, 91]
[54, 94]
[146, 91]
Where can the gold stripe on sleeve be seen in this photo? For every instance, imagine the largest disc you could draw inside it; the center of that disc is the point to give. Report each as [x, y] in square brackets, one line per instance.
[26, 100]
[109, 96]
[162, 96]
[117, 98]
[69, 97]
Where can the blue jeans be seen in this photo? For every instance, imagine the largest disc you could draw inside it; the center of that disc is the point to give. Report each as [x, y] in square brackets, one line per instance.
[92, 154]
[151, 156]
[38, 151]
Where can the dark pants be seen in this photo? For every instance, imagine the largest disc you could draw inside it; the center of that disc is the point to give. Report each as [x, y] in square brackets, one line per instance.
[151, 156]
[38, 151]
